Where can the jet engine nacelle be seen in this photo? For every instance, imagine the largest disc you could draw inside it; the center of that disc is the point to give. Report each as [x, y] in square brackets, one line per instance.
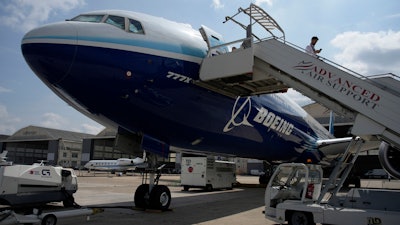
[390, 159]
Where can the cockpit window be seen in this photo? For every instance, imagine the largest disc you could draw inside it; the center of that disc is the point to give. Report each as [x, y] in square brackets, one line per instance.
[116, 21]
[135, 27]
[89, 18]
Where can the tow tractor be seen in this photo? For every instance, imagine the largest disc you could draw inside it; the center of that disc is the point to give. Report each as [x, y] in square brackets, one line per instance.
[296, 193]
[10, 217]
[25, 189]
[22, 185]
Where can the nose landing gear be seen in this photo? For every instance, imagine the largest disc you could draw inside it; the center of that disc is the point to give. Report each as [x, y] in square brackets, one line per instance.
[152, 195]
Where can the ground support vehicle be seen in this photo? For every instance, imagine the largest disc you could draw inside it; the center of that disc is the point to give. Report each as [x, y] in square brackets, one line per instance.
[207, 173]
[32, 185]
[294, 195]
[8, 217]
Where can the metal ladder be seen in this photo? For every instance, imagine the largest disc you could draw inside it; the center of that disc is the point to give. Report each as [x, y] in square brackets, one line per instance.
[258, 15]
[341, 170]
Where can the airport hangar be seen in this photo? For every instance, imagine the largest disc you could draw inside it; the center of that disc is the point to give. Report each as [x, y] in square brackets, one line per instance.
[33, 144]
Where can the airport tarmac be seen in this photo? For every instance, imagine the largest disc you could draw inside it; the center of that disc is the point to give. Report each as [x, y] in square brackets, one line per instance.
[242, 205]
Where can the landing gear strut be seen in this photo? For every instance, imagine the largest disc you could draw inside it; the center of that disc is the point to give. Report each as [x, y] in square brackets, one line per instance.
[152, 195]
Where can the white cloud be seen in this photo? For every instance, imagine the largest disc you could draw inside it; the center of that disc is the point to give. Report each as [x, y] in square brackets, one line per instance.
[26, 14]
[56, 121]
[91, 129]
[370, 52]
[7, 122]
[260, 2]
[298, 97]
[4, 90]
[393, 16]
[216, 4]
[53, 120]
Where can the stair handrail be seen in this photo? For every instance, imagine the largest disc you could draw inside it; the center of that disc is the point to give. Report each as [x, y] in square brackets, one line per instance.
[210, 51]
[251, 11]
[370, 78]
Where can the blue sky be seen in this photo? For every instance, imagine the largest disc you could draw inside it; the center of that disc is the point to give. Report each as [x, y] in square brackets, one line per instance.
[364, 36]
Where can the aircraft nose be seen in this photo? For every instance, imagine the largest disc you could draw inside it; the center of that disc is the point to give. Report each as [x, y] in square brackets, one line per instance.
[50, 50]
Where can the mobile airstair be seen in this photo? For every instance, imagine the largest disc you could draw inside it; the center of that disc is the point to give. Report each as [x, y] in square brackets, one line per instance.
[271, 65]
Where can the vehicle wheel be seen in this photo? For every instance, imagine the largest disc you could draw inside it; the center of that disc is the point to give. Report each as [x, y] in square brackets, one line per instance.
[142, 196]
[69, 202]
[186, 188]
[263, 179]
[4, 202]
[160, 197]
[300, 218]
[357, 182]
[49, 220]
[346, 183]
[209, 187]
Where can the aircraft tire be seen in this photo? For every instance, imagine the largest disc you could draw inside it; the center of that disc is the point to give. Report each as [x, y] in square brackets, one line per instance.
[160, 197]
[140, 196]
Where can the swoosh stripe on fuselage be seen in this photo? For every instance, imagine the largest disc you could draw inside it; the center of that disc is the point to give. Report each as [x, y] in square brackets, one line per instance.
[160, 49]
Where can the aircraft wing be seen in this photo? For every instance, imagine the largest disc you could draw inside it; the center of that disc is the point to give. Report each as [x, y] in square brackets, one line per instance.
[331, 148]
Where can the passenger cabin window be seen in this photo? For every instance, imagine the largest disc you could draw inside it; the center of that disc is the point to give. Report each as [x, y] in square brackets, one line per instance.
[135, 27]
[116, 21]
[88, 18]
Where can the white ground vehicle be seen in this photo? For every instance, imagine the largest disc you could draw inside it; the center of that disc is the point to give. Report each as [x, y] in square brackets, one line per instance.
[294, 195]
[9, 217]
[376, 173]
[207, 173]
[256, 172]
[25, 185]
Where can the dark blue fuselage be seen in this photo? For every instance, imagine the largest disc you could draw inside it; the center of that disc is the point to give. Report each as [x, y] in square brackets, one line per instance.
[156, 95]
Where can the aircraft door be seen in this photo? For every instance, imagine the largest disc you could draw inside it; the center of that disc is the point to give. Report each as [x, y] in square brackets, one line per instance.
[213, 39]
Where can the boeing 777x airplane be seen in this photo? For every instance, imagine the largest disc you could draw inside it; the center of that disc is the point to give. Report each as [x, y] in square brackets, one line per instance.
[140, 73]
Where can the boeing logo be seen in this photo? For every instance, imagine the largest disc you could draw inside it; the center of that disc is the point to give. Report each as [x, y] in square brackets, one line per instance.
[273, 121]
[235, 113]
[265, 117]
